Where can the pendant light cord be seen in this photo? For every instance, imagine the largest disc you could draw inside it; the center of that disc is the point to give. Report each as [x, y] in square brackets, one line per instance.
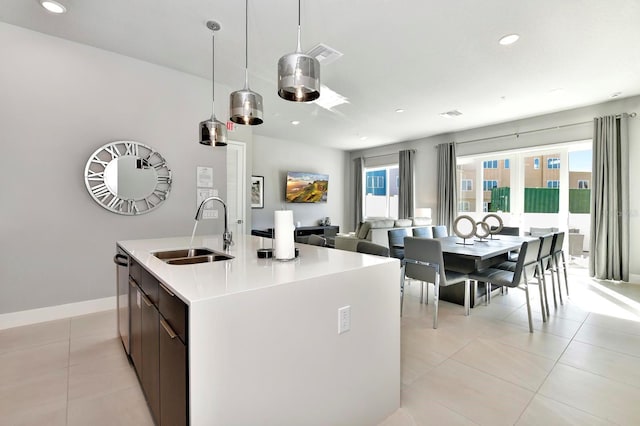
[246, 44]
[299, 48]
[213, 75]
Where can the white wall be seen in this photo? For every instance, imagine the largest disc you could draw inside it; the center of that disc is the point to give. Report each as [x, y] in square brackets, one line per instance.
[558, 131]
[273, 158]
[60, 101]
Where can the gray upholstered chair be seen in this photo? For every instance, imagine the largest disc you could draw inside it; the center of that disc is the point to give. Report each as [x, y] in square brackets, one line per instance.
[507, 230]
[423, 261]
[317, 240]
[396, 241]
[372, 248]
[526, 268]
[423, 232]
[440, 231]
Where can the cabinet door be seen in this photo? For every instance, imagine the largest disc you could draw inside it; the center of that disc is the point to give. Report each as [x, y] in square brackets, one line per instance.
[150, 356]
[135, 321]
[173, 378]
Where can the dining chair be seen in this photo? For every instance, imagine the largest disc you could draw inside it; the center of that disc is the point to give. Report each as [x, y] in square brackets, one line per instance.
[440, 231]
[317, 240]
[423, 232]
[508, 230]
[557, 255]
[423, 261]
[372, 248]
[525, 270]
[396, 242]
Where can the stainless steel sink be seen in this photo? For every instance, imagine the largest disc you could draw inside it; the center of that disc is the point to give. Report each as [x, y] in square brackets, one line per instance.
[191, 256]
[198, 259]
[174, 254]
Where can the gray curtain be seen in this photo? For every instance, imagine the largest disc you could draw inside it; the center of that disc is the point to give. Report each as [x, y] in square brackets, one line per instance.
[405, 190]
[609, 245]
[357, 186]
[447, 196]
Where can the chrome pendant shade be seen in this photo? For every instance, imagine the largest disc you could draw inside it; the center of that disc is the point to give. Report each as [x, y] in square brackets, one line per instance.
[213, 131]
[298, 74]
[246, 105]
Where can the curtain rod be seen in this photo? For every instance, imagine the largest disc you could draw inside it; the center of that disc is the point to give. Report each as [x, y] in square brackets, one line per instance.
[387, 155]
[582, 123]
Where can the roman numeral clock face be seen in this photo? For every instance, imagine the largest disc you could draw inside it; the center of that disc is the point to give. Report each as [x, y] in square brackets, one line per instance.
[127, 177]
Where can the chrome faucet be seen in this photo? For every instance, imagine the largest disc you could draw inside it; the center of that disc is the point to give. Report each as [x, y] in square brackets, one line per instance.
[226, 236]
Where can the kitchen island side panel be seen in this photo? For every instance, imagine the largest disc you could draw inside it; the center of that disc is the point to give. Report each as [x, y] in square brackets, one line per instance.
[274, 356]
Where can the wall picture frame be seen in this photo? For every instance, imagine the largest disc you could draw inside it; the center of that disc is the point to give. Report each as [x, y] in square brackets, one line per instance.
[257, 192]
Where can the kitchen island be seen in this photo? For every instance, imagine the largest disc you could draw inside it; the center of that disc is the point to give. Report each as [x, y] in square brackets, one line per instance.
[263, 341]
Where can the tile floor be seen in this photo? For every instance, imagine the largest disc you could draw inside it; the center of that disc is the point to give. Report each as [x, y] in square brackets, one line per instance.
[580, 368]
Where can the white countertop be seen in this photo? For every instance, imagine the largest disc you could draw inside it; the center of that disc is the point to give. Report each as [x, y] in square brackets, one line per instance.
[245, 272]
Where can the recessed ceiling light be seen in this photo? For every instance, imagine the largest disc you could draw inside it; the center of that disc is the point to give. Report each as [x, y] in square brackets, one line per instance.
[295, 122]
[53, 6]
[399, 110]
[616, 94]
[509, 39]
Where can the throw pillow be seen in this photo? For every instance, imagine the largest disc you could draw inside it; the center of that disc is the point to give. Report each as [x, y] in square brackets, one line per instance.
[402, 223]
[364, 230]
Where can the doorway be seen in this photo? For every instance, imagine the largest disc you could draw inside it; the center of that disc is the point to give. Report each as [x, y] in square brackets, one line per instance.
[236, 186]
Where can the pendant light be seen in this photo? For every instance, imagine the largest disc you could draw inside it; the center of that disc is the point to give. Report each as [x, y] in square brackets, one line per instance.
[213, 131]
[298, 74]
[246, 105]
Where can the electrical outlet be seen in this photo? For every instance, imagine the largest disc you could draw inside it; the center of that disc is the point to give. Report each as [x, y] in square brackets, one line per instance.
[344, 319]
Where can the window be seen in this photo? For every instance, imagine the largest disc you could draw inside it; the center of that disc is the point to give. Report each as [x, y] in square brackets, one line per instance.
[490, 164]
[488, 185]
[553, 163]
[536, 163]
[464, 206]
[506, 163]
[553, 184]
[381, 191]
[583, 184]
[466, 185]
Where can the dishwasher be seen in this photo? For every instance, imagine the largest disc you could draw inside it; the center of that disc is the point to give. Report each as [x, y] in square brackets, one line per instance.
[121, 259]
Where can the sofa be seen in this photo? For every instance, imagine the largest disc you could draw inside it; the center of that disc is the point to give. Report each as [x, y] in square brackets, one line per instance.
[375, 231]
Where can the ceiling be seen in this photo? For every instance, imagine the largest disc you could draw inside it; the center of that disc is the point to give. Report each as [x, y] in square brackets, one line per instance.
[424, 56]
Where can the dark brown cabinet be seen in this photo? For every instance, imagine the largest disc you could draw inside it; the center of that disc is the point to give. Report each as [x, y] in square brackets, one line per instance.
[158, 327]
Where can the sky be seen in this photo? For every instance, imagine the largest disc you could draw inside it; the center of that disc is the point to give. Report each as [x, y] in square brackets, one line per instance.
[580, 161]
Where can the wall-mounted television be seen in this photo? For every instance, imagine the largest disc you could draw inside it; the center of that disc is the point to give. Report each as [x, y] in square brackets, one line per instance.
[306, 187]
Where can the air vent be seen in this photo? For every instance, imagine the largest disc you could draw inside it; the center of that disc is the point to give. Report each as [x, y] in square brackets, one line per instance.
[451, 114]
[324, 54]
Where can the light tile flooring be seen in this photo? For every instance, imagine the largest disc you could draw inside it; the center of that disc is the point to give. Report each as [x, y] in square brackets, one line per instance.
[581, 368]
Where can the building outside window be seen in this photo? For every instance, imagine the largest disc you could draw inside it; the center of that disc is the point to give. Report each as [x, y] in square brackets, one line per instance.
[506, 163]
[553, 163]
[464, 206]
[381, 191]
[553, 184]
[466, 185]
[490, 164]
[583, 184]
[488, 185]
[536, 163]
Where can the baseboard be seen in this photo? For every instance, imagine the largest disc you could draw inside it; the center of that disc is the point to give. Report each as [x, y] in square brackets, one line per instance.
[50, 313]
[634, 278]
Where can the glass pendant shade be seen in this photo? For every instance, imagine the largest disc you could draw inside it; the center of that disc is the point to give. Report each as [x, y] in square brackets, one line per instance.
[298, 74]
[245, 106]
[213, 131]
[298, 77]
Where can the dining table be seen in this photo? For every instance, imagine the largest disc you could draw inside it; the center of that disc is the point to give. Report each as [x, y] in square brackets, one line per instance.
[472, 254]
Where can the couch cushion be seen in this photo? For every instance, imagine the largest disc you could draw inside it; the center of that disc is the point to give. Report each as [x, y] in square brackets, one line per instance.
[383, 223]
[402, 223]
[421, 221]
[363, 230]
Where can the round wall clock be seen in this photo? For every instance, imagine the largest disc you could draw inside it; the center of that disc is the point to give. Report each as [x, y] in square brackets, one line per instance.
[127, 177]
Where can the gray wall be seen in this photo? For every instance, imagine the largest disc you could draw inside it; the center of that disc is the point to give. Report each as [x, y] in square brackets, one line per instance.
[557, 132]
[60, 102]
[272, 158]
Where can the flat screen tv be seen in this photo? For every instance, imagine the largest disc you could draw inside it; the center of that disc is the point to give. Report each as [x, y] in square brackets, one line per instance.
[306, 187]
